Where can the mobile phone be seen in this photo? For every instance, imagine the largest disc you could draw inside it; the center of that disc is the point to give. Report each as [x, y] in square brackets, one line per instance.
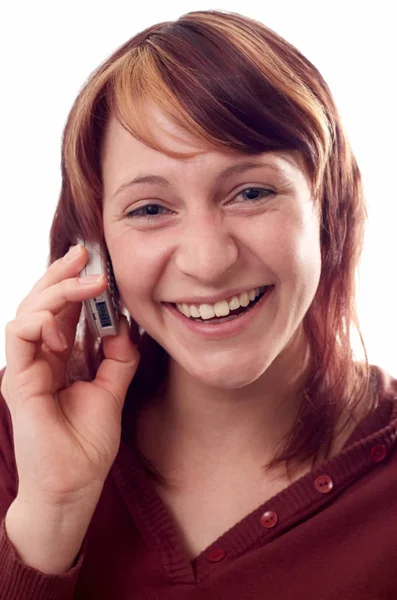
[102, 312]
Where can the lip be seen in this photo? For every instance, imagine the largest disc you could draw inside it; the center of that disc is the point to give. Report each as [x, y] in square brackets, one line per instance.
[222, 330]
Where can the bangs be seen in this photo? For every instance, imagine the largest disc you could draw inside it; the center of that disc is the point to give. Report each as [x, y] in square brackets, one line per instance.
[217, 93]
[139, 84]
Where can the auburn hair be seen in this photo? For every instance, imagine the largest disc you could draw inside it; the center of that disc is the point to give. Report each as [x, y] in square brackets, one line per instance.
[238, 86]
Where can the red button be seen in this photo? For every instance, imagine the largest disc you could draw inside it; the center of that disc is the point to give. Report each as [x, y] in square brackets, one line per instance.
[216, 555]
[323, 484]
[269, 519]
[378, 452]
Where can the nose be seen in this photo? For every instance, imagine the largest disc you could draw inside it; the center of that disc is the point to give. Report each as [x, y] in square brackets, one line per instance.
[207, 248]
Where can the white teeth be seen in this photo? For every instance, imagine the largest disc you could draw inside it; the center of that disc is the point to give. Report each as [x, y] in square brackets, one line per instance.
[185, 310]
[206, 311]
[194, 312]
[219, 309]
[244, 299]
[234, 303]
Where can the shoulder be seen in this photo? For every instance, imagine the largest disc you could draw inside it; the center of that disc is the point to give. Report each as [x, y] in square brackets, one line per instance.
[8, 470]
[384, 384]
[5, 416]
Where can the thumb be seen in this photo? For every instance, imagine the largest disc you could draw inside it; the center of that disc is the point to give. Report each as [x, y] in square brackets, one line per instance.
[121, 360]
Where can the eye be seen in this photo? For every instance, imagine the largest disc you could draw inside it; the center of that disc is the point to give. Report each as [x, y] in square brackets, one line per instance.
[263, 192]
[152, 212]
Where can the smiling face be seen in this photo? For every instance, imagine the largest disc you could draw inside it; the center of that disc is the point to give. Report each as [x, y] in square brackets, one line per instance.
[204, 235]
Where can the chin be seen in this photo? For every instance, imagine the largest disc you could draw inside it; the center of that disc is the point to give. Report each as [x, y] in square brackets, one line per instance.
[227, 376]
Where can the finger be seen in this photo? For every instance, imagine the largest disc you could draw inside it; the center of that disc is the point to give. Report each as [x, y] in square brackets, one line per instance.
[117, 370]
[39, 323]
[67, 320]
[24, 334]
[63, 301]
[68, 266]
[58, 296]
[66, 323]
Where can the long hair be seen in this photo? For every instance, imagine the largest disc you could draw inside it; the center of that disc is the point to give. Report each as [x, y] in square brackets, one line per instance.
[237, 85]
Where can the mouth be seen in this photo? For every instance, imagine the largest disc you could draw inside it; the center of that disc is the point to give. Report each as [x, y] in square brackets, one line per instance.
[233, 314]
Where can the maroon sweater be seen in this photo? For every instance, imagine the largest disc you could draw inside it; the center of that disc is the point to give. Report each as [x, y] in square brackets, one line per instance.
[331, 535]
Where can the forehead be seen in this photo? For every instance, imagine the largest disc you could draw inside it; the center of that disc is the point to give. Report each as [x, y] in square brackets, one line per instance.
[160, 126]
[124, 153]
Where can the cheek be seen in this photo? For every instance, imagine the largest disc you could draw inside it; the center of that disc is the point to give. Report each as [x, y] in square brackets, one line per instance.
[291, 247]
[286, 241]
[306, 260]
[137, 265]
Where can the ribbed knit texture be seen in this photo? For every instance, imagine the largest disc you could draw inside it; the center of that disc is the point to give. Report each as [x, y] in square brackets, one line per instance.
[20, 581]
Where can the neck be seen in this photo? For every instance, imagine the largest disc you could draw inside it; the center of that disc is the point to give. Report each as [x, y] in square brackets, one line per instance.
[197, 428]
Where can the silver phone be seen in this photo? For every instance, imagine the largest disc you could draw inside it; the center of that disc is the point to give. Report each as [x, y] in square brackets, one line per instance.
[102, 312]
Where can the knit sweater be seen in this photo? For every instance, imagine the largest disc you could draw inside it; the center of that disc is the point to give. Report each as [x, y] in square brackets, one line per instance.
[330, 535]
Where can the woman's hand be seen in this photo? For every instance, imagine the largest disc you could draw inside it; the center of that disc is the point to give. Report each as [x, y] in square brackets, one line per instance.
[65, 438]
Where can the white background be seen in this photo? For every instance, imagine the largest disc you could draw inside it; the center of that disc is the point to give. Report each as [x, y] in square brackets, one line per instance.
[49, 49]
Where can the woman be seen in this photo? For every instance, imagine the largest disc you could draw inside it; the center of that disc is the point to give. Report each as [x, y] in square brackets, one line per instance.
[225, 443]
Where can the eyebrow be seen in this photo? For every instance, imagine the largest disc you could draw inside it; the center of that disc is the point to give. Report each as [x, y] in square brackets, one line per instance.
[232, 170]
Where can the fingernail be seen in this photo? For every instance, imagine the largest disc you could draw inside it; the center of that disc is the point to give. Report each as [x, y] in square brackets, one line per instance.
[63, 340]
[72, 252]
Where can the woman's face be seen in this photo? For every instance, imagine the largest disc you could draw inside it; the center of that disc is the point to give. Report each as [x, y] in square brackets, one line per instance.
[209, 236]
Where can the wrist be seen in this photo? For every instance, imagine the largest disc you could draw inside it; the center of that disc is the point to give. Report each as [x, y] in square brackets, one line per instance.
[46, 540]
